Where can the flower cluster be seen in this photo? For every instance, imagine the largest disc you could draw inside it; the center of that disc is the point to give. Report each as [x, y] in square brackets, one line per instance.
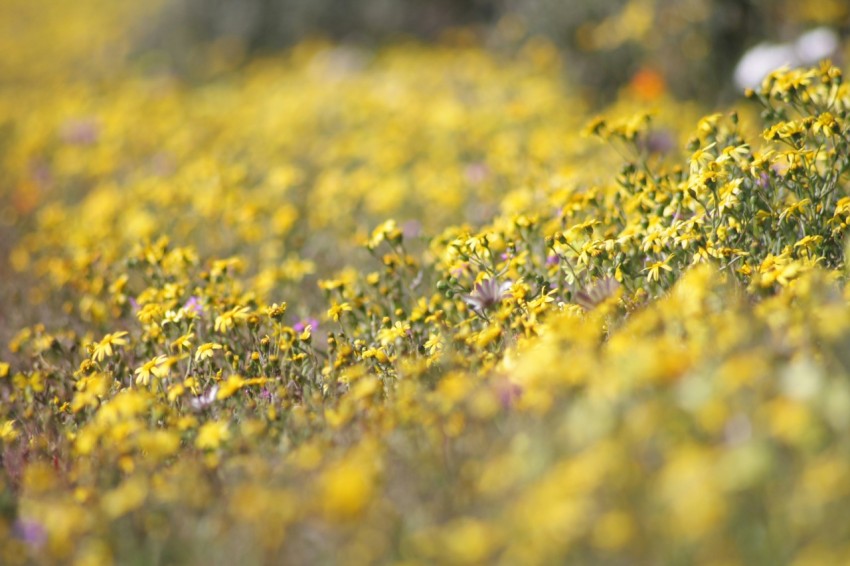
[222, 350]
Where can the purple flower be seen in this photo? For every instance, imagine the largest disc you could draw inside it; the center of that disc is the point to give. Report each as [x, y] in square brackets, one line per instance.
[30, 532]
[509, 393]
[194, 305]
[411, 229]
[302, 325]
[658, 142]
[552, 259]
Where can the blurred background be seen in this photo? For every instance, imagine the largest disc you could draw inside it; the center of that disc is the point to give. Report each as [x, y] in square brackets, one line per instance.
[687, 47]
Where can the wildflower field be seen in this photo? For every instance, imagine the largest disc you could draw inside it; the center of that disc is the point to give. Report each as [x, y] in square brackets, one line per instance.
[414, 305]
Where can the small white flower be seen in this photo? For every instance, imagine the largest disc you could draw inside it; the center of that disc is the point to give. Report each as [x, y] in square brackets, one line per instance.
[205, 400]
[808, 49]
[486, 294]
[597, 293]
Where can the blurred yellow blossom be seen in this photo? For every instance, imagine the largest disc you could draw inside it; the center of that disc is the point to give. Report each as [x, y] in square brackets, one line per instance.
[212, 434]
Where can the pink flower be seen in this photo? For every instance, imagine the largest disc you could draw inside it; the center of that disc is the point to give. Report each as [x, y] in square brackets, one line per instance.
[301, 325]
[194, 305]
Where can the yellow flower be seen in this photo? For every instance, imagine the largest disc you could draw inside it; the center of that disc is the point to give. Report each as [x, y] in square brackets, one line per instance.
[395, 332]
[388, 231]
[487, 336]
[183, 342]
[337, 309]
[212, 434]
[155, 367]
[347, 487]
[827, 124]
[103, 349]
[206, 351]
[225, 266]
[158, 443]
[276, 311]
[126, 497]
[230, 386]
[376, 354]
[175, 391]
[434, 343]
[228, 319]
[306, 334]
[655, 269]
[173, 317]
[8, 432]
[149, 313]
